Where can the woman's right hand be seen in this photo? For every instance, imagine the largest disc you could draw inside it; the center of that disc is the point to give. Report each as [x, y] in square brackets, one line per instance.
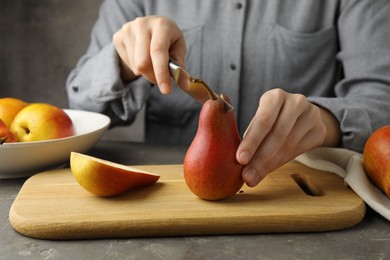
[145, 45]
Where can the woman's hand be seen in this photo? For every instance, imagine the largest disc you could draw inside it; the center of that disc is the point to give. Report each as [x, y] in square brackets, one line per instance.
[284, 126]
[144, 47]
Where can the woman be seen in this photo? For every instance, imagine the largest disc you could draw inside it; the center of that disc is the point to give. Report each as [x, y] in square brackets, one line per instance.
[300, 74]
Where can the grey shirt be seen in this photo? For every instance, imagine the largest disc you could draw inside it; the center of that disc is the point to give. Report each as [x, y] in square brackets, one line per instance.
[335, 52]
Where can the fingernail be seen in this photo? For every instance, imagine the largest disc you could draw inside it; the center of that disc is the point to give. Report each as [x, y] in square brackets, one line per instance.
[251, 177]
[244, 157]
[164, 88]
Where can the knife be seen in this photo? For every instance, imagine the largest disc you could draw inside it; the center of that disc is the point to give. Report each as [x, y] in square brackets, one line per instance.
[194, 87]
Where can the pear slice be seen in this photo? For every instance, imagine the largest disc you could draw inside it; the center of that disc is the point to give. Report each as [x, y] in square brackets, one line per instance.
[104, 178]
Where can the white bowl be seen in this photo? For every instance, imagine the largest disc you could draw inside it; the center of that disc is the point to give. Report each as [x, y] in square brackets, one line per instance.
[23, 159]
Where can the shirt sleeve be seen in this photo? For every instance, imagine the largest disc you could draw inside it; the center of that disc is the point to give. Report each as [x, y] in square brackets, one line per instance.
[362, 97]
[95, 83]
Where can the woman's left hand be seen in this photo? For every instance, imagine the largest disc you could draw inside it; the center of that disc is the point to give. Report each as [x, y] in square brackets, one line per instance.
[284, 126]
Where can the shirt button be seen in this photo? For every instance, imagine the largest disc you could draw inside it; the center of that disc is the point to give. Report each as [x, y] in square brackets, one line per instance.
[238, 5]
[232, 66]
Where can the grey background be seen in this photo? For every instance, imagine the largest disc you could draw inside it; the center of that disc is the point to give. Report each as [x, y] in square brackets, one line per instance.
[41, 41]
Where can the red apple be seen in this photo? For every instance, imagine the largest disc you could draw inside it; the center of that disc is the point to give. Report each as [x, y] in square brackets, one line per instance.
[41, 121]
[104, 178]
[376, 158]
[6, 135]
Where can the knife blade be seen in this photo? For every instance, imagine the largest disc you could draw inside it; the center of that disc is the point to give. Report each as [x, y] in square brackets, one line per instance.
[194, 87]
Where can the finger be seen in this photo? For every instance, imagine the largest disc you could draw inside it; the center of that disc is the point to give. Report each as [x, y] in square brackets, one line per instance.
[289, 147]
[136, 38]
[293, 107]
[159, 52]
[253, 176]
[125, 68]
[120, 47]
[260, 126]
[260, 166]
[313, 138]
[303, 138]
[308, 132]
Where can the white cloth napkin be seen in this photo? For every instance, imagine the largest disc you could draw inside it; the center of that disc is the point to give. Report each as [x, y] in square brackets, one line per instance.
[348, 165]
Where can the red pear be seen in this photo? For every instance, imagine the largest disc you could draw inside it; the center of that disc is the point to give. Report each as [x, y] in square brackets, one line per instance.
[376, 158]
[211, 170]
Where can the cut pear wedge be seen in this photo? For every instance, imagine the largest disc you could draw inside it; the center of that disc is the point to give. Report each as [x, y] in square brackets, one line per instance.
[104, 178]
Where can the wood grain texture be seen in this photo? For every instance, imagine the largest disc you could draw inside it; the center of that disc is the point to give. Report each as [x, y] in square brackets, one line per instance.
[52, 205]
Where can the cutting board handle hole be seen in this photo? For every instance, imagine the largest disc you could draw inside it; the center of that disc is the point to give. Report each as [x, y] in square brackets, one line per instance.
[307, 185]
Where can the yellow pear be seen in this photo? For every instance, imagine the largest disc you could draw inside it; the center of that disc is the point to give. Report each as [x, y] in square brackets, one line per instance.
[9, 108]
[41, 121]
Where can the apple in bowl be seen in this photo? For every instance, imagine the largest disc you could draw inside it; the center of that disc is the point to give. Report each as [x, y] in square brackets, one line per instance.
[9, 108]
[6, 135]
[41, 121]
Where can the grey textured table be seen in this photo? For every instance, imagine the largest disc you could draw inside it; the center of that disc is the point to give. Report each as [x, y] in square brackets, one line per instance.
[370, 239]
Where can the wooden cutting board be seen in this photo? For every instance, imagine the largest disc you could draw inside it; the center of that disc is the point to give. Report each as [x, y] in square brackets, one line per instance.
[294, 198]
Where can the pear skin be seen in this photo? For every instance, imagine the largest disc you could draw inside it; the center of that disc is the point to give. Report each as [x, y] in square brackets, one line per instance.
[211, 170]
